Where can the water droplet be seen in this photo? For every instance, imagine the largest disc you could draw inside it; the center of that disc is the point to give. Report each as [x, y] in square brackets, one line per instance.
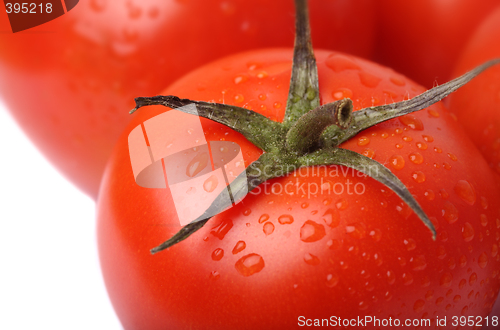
[217, 254]
[399, 146]
[419, 305]
[452, 263]
[484, 203]
[450, 212]
[376, 235]
[438, 150]
[397, 162]
[467, 232]
[356, 230]
[446, 280]
[466, 192]
[433, 113]
[339, 62]
[447, 166]
[483, 260]
[197, 164]
[268, 228]
[494, 250]
[240, 79]
[368, 153]
[429, 194]
[304, 205]
[263, 218]
[444, 194]
[240, 246]
[238, 98]
[421, 145]
[412, 122]
[332, 280]
[407, 278]
[210, 184]
[341, 204]
[214, 275]
[368, 79]
[418, 263]
[418, 176]
[312, 231]
[331, 218]
[462, 261]
[342, 93]
[311, 259]
[452, 157]
[428, 138]
[247, 212]
[410, 244]
[407, 138]
[222, 229]
[277, 105]
[363, 141]
[472, 279]
[457, 298]
[397, 81]
[262, 97]
[416, 158]
[285, 219]
[250, 264]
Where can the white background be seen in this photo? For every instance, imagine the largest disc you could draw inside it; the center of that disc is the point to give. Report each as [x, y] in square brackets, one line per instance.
[49, 268]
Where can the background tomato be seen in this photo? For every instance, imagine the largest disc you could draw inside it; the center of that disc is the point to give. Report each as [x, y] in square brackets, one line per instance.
[71, 81]
[477, 105]
[276, 256]
[422, 38]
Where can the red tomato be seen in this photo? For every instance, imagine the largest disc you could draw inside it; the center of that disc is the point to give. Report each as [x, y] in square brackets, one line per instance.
[281, 259]
[422, 38]
[70, 82]
[477, 105]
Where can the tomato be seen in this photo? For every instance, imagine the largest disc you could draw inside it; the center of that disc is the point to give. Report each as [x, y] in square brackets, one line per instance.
[281, 258]
[477, 105]
[71, 81]
[422, 38]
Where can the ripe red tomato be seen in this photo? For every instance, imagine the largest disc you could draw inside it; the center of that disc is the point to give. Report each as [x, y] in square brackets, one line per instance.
[71, 81]
[422, 38]
[280, 259]
[477, 105]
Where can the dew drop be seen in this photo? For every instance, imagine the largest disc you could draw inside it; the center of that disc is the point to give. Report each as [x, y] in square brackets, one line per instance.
[285, 219]
[331, 218]
[407, 278]
[277, 105]
[472, 279]
[410, 244]
[430, 195]
[419, 305]
[240, 79]
[304, 205]
[363, 141]
[341, 204]
[268, 228]
[462, 261]
[339, 62]
[412, 122]
[311, 259]
[397, 162]
[418, 263]
[438, 150]
[368, 153]
[238, 98]
[263, 218]
[447, 166]
[439, 301]
[217, 254]
[222, 229]
[483, 260]
[441, 252]
[214, 275]
[332, 280]
[452, 157]
[197, 164]
[484, 203]
[421, 145]
[444, 194]
[397, 81]
[428, 138]
[467, 232]
[240, 246]
[368, 79]
[210, 184]
[446, 280]
[342, 93]
[250, 264]
[407, 138]
[494, 250]
[356, 230]
[247, 212]
[418, 176]
[376, 235]
[312, 231]
[450, 212]
[416, 158]
[433, 113]
[466, 192]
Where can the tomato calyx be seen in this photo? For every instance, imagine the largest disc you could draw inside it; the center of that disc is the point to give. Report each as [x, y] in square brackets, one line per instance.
[310, 133]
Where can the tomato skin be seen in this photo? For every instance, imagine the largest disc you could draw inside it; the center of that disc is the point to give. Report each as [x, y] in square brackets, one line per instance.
[343, 255]
[477, 105]
[422, 38]
[71, 81]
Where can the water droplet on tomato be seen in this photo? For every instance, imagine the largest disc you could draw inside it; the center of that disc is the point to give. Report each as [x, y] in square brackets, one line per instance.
[263, 218]
[368, 153]
[210, 184]
[376, 235]
[397, 81]
[339, 62]
[312, 231]
[247, 212]
[363, 141]
[467, 232]
[416, 158]
[484, 203]
[410, 244]
[332, 280]
[342, 93]
[238, 98]
[412, 122]
[421, 145]
[331, 218]
[240, 79]
[429, 194]
[341, 204]
[419, 305]
[433, 113]
[356, 230]
[428, 138]
[304, 205]
[222, 228]
[311, 259]
[397, 162]
[250, 264]
[285, 219]
[217, 254]
[472, 279]
[418, 263]
[466, 192]
[268, 228]
[452, 157]
[446, 280]
[447, 166]
[450, 212]
[438, 150]
[369, 80]
[418, 176]
[214, 275]
[483, 260]
[407, 278]
[240, 246]
[197, 164]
